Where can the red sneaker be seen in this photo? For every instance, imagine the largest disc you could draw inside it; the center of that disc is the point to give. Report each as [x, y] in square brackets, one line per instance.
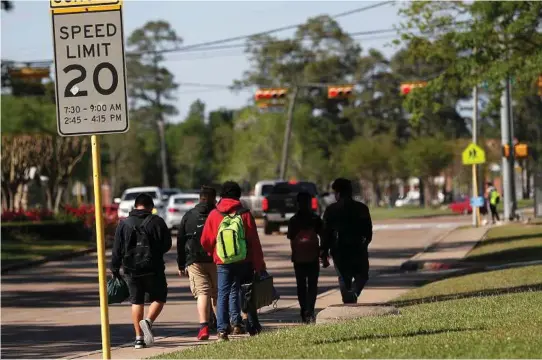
[203, 333]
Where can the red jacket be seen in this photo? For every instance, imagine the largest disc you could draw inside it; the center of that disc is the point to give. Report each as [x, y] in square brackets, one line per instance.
[210, 232]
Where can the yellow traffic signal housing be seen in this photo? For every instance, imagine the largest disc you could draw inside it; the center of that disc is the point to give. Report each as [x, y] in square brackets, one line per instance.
[521, 151]
[339, 91]
[406, 88]
[30, 73]
[267, 97]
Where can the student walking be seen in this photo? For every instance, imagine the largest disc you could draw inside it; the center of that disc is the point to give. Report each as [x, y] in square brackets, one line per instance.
[230, 234]
[193, 261]
[347, 233]
[493, 198]
[141, 240]
[304, 229]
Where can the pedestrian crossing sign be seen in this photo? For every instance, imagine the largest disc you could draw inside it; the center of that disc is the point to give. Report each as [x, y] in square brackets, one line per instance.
[473, 154]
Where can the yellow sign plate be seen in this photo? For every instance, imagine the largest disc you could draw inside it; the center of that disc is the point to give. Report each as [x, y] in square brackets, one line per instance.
[473, 154]
[59, 4]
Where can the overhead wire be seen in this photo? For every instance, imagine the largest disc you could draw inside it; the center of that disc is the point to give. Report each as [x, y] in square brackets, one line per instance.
[267, 32]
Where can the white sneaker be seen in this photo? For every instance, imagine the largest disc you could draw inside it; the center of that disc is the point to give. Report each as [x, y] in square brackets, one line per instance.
[146, 327]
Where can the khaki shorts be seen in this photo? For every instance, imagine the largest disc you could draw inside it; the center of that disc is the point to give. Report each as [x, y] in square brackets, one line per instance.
[203, 279]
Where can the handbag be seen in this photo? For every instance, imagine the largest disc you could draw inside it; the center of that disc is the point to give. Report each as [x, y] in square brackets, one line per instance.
[259, 293]
[117, 290]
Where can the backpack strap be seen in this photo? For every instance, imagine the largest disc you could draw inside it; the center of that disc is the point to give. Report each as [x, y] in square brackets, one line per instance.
[239, 211]
[147, 221]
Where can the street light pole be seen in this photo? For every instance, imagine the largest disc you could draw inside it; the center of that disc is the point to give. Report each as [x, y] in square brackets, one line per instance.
[287, 134]
[476, 210]
[507, 162]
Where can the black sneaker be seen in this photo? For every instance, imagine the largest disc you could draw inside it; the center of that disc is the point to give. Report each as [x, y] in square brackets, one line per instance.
[146, 327]
[222, 336]
[140, 344]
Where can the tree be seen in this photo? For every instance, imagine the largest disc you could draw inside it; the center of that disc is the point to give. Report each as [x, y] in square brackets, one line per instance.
[151, 85]
[19, 154]
[63, 155]
[481, 42]
[427, 157]
[369, 160]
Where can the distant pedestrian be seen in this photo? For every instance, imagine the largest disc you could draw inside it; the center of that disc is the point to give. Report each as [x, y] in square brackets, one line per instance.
[141, 241]
[493, 197]
[347, 233]
[230, 234]
[193, 261]
[304, 229]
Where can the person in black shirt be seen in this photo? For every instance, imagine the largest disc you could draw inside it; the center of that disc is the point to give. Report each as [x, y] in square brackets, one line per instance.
[304, 229]
[347, 233]
[128, 254]
[194, 262]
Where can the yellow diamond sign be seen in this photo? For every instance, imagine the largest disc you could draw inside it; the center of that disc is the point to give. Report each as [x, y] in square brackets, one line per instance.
[473, 154]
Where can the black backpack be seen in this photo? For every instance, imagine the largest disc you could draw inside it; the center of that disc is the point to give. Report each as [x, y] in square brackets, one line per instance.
[193, 243]
[138, 259]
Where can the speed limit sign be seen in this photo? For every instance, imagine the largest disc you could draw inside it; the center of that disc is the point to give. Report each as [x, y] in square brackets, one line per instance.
[90, 73]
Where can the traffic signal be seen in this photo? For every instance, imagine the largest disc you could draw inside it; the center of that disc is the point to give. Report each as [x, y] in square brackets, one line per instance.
[406, 88]
[339, 91]
[270, 97]
[521, 151]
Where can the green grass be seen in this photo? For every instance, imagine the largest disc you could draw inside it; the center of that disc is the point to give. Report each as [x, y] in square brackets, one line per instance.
[35, 249]
[407, 212]
[506, 326]
[492, 281]
[510, 243]
[521, 203]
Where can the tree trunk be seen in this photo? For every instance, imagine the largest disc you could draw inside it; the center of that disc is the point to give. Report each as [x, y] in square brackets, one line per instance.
[421, 189]
[59, 193]
[376, 194]
[528, 184]
[163, 153]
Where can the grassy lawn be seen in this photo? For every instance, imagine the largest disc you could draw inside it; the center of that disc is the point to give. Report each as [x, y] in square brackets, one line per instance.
[506, 326]
[32, 249]
[407, 212]
[492, 281]
[507, 244]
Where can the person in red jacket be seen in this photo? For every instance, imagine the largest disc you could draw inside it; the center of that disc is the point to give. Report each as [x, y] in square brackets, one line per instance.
[238, 256]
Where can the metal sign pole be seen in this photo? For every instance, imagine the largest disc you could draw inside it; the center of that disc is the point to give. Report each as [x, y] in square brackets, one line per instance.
[100, 245]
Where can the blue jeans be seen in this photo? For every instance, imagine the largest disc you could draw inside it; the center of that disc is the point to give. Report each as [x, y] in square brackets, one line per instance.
[230, 278]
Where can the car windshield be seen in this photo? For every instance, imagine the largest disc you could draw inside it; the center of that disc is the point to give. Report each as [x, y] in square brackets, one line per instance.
[186, 201]
[132, 195]
[289, 188]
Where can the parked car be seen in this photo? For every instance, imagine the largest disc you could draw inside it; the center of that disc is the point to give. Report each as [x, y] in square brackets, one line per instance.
[281, 204]
[254, 201]
[462, 206]
[127, 200]
[177, 206]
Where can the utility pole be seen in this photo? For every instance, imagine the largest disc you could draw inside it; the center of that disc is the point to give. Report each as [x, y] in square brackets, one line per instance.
[512, 158]
[507, 163]
[476, 210]
[287, 134]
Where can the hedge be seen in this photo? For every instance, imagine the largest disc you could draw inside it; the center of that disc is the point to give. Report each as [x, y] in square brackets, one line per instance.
[47, 230]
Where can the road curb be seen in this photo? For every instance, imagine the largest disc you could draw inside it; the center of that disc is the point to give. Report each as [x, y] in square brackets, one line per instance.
[58, 257]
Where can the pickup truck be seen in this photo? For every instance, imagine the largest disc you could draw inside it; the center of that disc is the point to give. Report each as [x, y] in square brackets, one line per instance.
[281, 204]
[253, 202]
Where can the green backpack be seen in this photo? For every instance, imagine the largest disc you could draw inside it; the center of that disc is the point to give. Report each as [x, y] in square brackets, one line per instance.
[231, 243]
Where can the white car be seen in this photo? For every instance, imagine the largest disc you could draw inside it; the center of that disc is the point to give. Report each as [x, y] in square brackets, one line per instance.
[178, 205]
[127, 200]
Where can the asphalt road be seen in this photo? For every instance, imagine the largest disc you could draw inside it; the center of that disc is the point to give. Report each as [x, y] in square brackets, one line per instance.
[52, 311]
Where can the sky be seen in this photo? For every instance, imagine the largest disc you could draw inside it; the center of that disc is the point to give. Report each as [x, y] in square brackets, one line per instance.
[26, 35]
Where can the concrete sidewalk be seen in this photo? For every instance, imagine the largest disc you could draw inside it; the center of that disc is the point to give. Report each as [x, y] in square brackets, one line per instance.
[381, 288]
